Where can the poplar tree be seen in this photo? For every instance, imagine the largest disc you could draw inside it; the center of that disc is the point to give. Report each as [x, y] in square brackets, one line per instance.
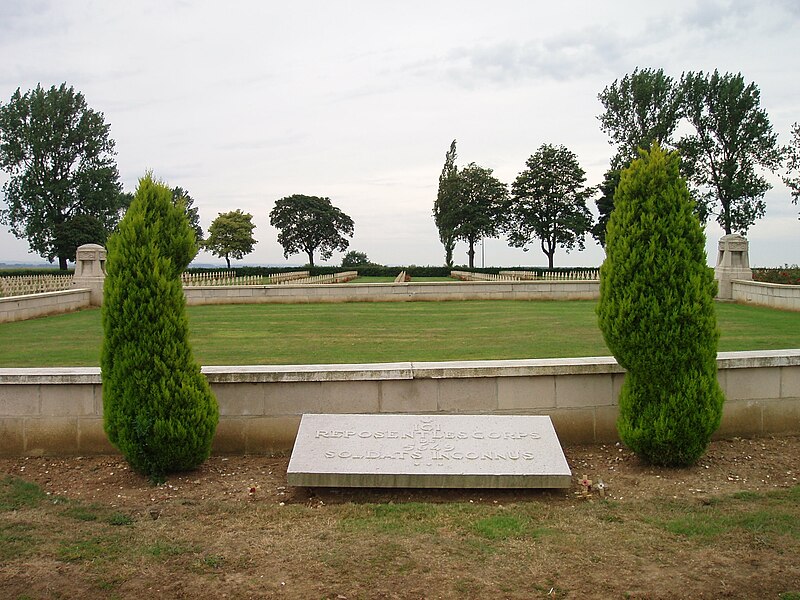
[732, 147]
[657, 316]
[445, 207]
[158, 409]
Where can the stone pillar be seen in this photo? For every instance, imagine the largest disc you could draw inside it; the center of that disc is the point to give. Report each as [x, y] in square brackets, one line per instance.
[733, 262]
[90, 271]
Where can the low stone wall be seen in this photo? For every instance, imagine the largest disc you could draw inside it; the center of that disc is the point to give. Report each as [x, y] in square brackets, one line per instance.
[774, 295]
[19, 308]
[395, 292]
[59, 411]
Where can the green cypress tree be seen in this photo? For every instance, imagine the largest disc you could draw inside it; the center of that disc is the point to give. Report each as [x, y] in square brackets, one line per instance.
[158, 408]
[657, 314]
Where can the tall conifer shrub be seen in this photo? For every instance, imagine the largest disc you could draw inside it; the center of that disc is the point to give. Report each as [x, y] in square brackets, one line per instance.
[157, 407]
[657, 315]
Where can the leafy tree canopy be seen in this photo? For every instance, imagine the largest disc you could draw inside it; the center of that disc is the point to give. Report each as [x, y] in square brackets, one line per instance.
[180, 197]
[792, 177]
[733, 136]
[640, 109]
[548, 203]
[63, 181]
[355, 259]
[481, 198]
[729, 138]
[310, 224]
[231, 235]
[605, 204]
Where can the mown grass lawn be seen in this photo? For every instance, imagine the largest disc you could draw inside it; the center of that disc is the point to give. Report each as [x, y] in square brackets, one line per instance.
[378, 332]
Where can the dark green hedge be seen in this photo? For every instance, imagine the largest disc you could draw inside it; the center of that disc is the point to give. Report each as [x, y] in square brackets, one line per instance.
[786, 275]
[26, 272]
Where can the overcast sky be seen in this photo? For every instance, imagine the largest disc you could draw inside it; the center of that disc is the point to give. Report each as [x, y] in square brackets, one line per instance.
[244, 102]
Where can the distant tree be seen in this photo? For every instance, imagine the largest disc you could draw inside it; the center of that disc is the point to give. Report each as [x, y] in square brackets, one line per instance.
[63, 181]
[477, 213]
[231, 235]
[605, 204]
[792, 177]
[77, 231]
[158, 409]
[656, 313]
[310, 224]
[733, 136]
[180, 197]
[445, 207]
[548, 203]
[640, 109]
[123, 203]
[355, 259]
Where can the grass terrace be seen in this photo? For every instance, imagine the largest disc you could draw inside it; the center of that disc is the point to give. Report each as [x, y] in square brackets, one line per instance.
[379, 332]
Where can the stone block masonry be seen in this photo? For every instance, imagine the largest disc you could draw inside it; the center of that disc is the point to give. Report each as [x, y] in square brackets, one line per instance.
[773, 295]
[59, 411]
[21, 308]
[438, 291]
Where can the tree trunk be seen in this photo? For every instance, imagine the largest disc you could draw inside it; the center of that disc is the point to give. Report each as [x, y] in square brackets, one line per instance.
[471, 254]
[228, 260]
[62, 263]
[726, 212]
[549, 250]
[311, 259]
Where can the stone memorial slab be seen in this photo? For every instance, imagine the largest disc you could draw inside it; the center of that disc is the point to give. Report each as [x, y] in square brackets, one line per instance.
[428, 451]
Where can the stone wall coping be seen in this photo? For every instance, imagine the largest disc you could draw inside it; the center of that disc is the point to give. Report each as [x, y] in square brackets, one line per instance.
[49, 375]
[516, 368]
[758, 358]
[783, 286]
[402, 370]
[288, 373]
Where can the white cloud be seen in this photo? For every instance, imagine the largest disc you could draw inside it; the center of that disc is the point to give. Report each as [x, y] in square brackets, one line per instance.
[243, 102]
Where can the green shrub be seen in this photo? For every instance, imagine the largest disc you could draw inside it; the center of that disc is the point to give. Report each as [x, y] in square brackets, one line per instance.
[656, 312]
[157, 407]
[787, 275]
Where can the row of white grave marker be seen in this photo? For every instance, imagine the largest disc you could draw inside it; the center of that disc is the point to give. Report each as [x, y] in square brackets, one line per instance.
[342, 277]
[22, 285]
[572, 275]
[470, 276]
[216, 278]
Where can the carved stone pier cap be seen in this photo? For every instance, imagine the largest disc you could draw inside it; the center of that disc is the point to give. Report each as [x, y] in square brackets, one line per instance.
[733, 262]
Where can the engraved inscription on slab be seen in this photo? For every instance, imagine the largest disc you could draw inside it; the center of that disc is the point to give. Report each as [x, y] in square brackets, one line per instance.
[459, 451]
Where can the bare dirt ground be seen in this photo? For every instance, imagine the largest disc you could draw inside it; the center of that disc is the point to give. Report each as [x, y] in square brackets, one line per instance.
[222, 497]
